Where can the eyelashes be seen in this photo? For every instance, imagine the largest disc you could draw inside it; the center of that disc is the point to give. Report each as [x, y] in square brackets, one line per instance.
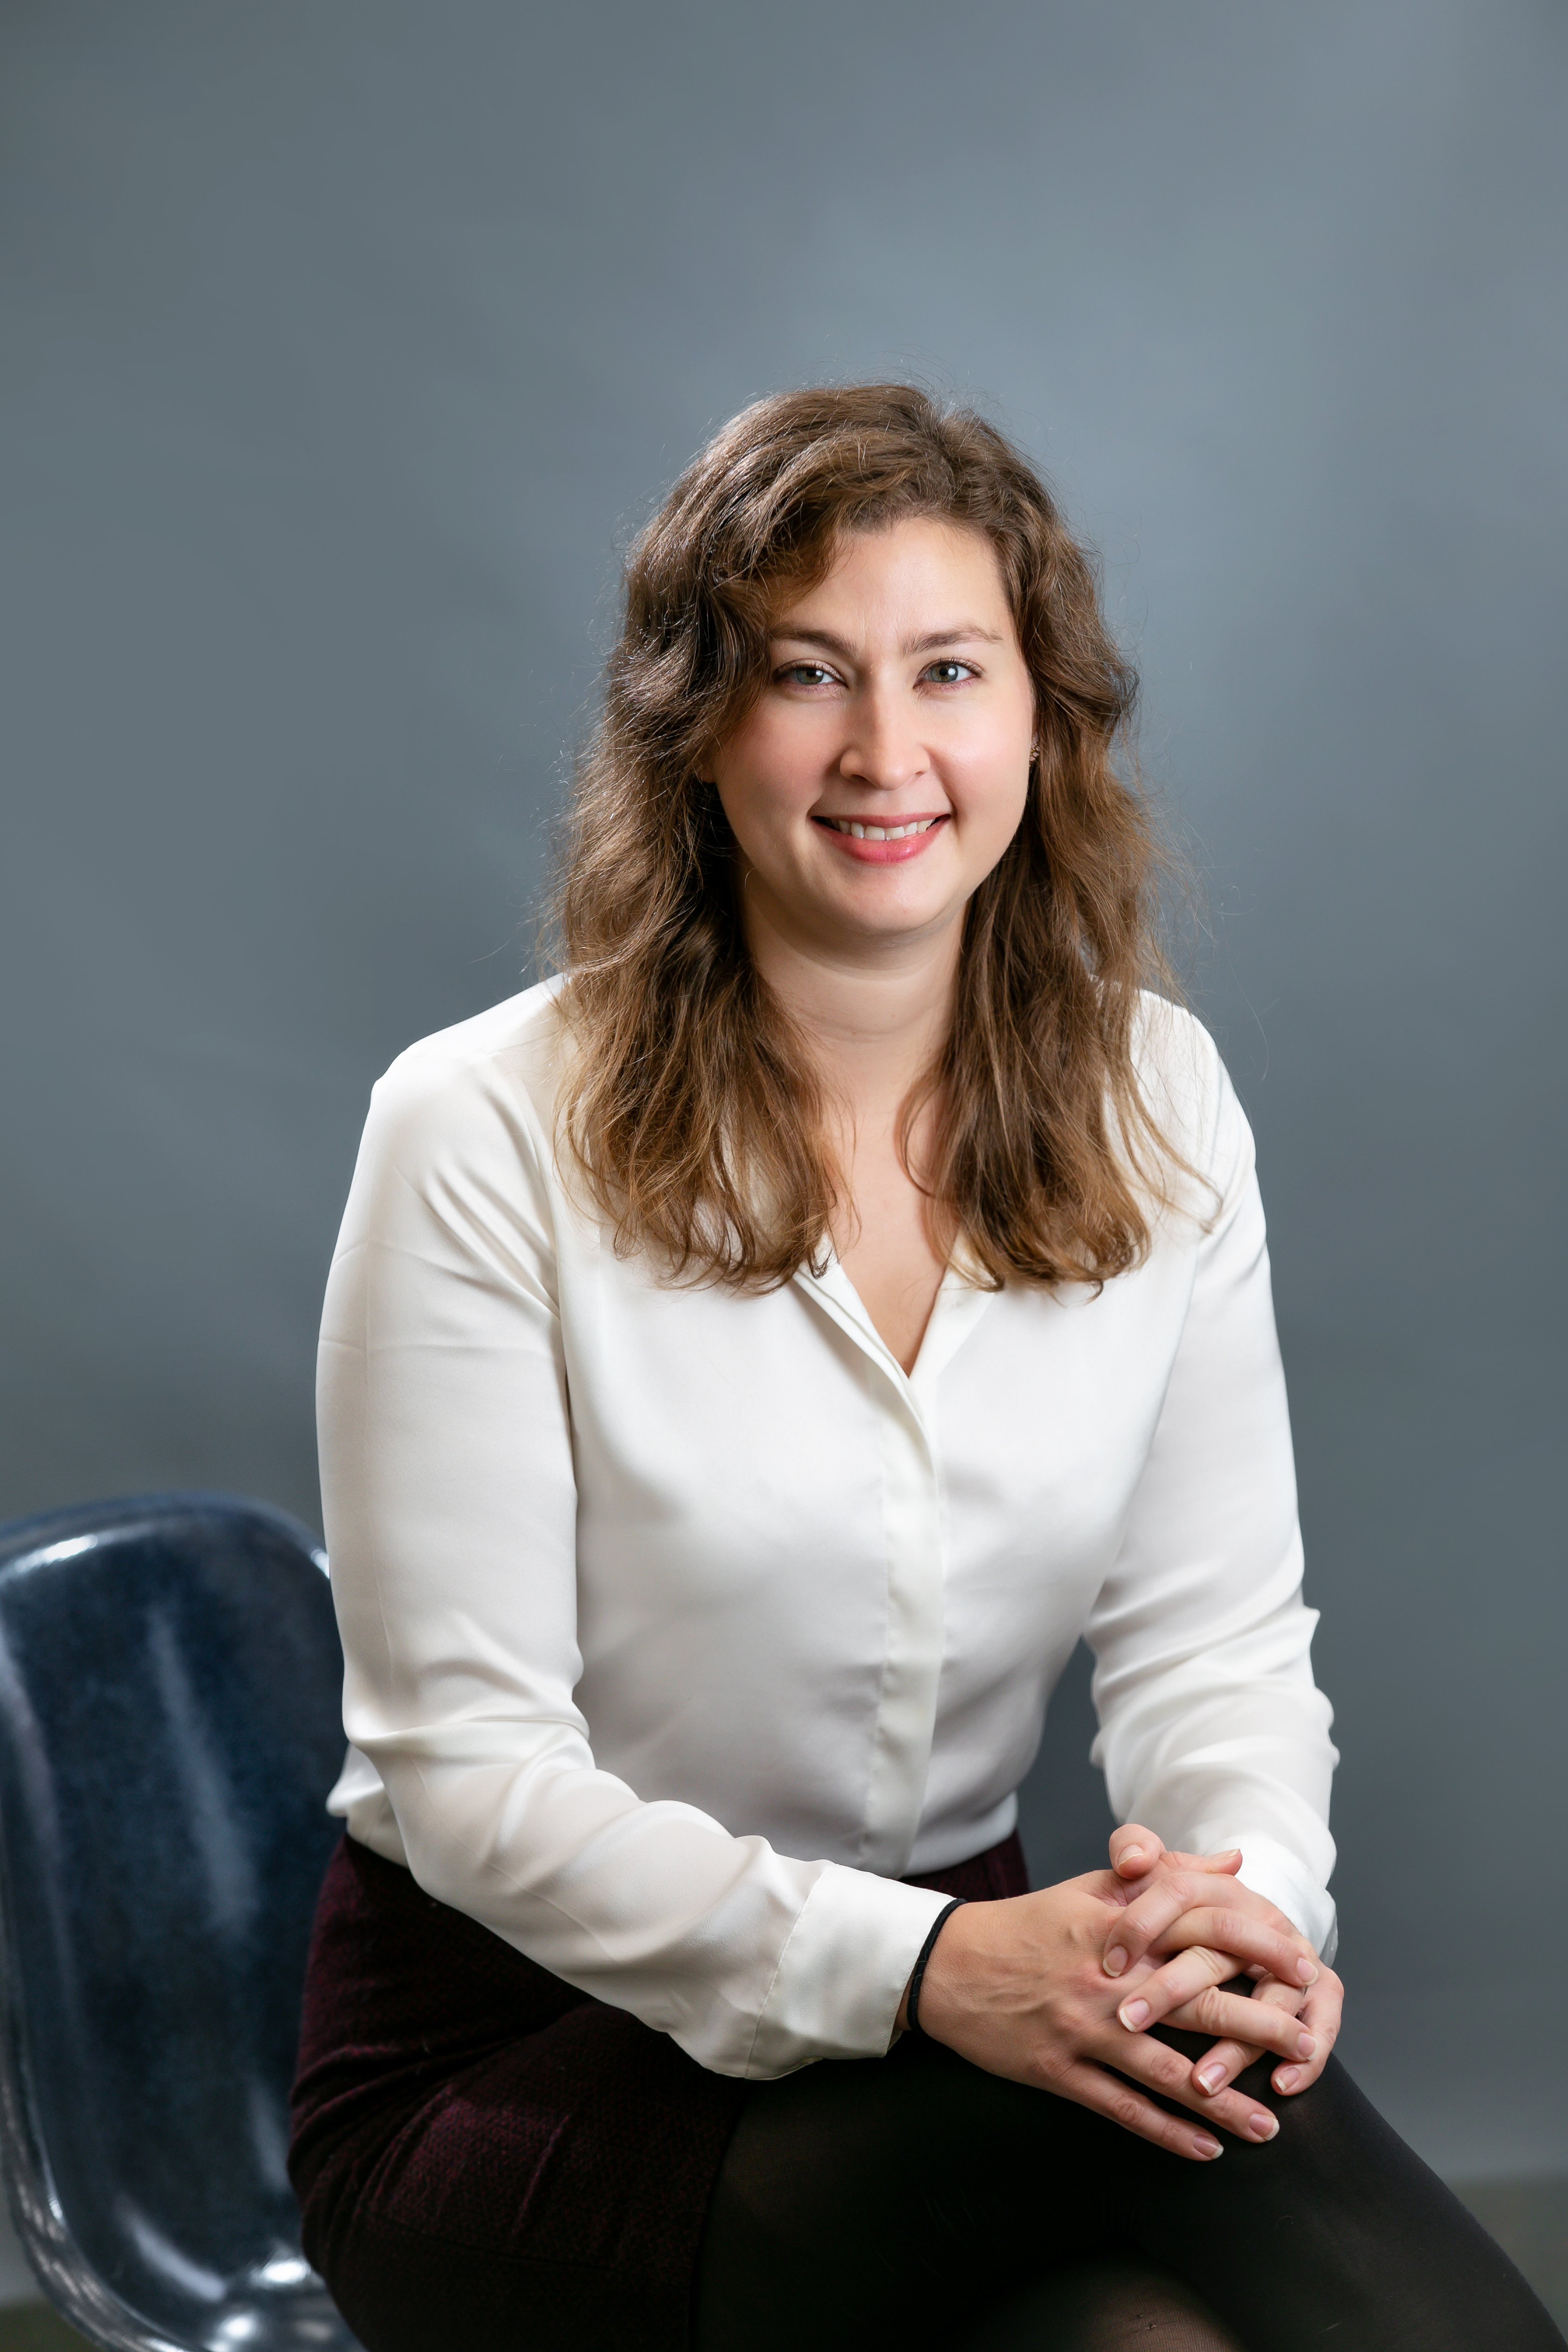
[815, 674]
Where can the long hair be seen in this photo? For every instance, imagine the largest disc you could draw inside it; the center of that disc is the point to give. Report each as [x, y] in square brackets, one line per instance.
[691, 1105]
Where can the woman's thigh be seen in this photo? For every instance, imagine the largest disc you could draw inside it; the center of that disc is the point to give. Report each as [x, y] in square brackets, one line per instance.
[900, 2199]
[916, 2193]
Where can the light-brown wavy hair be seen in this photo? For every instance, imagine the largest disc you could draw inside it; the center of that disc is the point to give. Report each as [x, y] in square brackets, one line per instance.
[690, 1104]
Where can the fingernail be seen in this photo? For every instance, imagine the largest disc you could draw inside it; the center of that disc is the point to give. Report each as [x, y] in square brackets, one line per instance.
[1305, 1972]
[1206, 2146]
[1115, 1960]
[1262, 2126]
[1305, 2045]
[1285, 2079]
[1130, 1853]
[1134, 2014]
[1212, 2077]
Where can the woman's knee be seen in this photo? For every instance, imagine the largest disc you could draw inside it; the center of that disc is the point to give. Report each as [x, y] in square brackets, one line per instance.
[1119, 2305]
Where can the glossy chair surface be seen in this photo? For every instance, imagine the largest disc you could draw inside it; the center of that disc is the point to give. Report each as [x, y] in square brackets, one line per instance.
[170, 1725]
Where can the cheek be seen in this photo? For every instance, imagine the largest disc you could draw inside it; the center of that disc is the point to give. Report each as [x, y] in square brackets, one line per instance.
[993, 789]
[766, 780]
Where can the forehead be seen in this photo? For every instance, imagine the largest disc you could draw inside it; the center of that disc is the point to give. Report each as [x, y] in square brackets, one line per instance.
[920, 569]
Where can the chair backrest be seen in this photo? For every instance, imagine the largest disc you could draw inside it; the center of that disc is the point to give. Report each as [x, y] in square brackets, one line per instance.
[170, 1725]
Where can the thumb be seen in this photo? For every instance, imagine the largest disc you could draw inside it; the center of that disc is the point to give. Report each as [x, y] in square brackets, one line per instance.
[1134, 1851]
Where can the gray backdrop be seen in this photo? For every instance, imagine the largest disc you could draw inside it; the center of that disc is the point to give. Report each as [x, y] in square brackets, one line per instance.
[343, 344]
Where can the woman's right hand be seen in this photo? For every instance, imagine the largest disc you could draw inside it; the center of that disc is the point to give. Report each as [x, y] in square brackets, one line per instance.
[1180, 1910]
[1017, 1987]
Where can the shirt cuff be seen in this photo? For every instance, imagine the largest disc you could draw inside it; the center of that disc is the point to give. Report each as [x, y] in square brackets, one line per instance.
[841, 1975]
[1272, 1871]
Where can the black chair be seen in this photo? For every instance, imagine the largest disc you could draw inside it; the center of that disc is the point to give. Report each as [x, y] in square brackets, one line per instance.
[170, 1695]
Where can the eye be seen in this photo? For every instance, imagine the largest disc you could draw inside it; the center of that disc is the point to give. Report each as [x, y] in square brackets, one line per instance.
[808, 673]
[947, 671]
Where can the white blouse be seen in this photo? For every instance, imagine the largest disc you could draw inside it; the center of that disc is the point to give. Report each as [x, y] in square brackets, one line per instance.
[680, 1625]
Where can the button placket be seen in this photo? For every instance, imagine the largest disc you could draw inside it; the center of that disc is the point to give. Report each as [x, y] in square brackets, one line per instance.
[915, 1549]
[912, 1667]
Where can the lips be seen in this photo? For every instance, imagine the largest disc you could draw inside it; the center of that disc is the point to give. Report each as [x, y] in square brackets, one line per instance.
[885, 844]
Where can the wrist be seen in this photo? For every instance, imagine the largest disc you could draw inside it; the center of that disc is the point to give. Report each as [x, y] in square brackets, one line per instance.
[908, 2020]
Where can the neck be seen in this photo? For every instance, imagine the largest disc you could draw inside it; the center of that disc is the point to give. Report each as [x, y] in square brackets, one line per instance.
[873, 1014]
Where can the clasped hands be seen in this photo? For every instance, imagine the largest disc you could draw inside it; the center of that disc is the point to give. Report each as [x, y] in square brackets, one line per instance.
[1061, 1989]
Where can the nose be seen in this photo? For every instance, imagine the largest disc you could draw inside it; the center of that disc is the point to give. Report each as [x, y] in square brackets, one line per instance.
[885, 747]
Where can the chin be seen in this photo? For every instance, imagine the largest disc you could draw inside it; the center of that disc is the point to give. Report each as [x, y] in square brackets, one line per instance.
[885, 921]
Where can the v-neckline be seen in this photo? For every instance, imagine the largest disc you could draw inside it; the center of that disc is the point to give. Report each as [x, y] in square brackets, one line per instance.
[956, 1308]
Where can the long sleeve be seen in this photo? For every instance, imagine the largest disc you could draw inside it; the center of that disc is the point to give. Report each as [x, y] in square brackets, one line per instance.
[451, 1509]
[1212, 1730]
[680, 1625]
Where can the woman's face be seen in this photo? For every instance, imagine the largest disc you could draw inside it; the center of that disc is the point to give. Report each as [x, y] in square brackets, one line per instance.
[885, 769]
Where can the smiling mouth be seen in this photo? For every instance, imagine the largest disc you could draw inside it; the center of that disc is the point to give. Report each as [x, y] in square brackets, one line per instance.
[861, 832]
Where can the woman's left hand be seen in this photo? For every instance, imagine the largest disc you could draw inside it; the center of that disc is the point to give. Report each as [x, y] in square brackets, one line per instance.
[1174, 1901]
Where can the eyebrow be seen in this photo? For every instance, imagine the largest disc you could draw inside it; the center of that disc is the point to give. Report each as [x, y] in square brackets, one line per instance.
[964, 633]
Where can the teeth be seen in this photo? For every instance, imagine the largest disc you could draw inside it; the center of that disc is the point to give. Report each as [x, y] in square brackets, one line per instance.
[880, 831]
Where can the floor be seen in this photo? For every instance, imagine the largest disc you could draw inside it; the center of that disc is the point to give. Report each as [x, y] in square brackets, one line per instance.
[1530, 2218]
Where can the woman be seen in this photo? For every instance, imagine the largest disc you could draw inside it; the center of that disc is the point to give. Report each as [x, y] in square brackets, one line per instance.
[748, 1368]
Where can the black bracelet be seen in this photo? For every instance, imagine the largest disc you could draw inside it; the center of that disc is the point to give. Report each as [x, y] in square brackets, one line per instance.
[917, 1975]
